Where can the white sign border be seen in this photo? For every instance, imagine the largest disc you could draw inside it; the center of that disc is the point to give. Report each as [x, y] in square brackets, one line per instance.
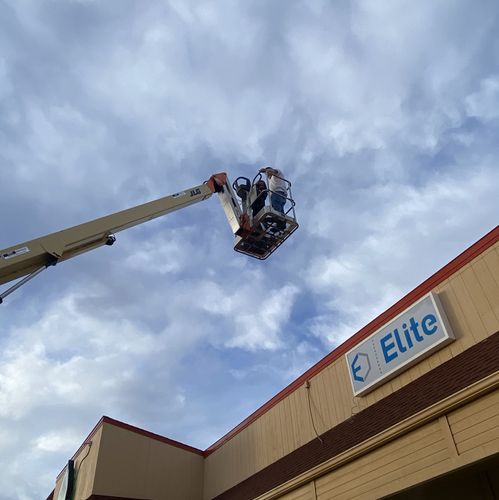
[449, 337]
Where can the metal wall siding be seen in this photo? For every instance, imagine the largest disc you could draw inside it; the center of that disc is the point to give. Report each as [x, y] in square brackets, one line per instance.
[303, 493]
[476, 425]
[393, 463]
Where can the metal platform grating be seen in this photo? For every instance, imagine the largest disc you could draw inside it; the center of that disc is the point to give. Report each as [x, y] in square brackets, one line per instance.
[271, 229]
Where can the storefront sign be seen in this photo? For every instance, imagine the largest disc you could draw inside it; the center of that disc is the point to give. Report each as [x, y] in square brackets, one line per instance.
[412, 335]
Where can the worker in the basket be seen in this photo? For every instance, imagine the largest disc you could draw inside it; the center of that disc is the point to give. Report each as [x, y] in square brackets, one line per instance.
[261, 192]
[277, 187]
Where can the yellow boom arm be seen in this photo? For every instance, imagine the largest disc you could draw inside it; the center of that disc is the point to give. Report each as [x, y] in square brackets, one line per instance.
[254, 236]
[33, 256]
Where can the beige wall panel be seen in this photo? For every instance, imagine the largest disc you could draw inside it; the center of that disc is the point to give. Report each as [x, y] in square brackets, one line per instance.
[474, 328]
[248, 451]
[482, 293]
[237, 459]
[271, 436]
[173, 473]
[121, 464]
[389, 468]
[304, 493]
[286, 428]
[395, 384]
[321, 402]
[133, 465]
[487, 272]
[369, 466]
[327, 383]
[455, 316]
[436, 462]
[274, 433]
[295, 434]
[467, 416]
[301, 409]
[232, 466]
[491, 260]
[296, 400]
[293, 424]
[266, 454]
[443, 355]
[488, 448]
[85, 466]
[285, 425]
[341, 392]
[476, 426]
[317, 402]
[485, 438]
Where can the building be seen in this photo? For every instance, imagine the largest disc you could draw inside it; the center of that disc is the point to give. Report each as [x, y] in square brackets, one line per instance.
[407, 408]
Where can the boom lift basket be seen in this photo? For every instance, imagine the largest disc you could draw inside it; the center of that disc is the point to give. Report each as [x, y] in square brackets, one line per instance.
[269, 228]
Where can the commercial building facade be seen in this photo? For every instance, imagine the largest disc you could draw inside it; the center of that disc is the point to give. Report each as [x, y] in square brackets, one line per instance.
[406, 408]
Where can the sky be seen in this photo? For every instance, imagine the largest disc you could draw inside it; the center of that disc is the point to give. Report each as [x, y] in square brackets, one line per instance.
[383, 115]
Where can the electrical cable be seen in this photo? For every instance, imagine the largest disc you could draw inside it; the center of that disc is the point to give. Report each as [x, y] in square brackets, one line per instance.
[77, 471]
[79, 465]
[307, 386]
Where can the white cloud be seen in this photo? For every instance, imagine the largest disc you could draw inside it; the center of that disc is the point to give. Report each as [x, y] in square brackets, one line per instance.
[261, 325]
[70, 358]
[409, 227]
[483, 103]
[63, 441]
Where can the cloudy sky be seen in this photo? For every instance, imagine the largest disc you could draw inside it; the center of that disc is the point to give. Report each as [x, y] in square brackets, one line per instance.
[383, 114]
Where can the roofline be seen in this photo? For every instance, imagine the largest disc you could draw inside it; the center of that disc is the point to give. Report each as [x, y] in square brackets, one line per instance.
[152, 435]
[137, 430]
[429, 284]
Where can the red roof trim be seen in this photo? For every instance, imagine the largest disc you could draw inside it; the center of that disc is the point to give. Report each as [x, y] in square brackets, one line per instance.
[137, 430]
[448, 270]
[152, 435]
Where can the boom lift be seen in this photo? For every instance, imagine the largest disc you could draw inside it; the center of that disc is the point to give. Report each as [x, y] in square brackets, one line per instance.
[256, 234]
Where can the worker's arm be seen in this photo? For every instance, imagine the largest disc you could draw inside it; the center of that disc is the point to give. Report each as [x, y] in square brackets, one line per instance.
[269, 170]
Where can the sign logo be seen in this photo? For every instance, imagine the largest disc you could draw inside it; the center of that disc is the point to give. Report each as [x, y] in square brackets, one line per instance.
[412, 335]
[361, 366]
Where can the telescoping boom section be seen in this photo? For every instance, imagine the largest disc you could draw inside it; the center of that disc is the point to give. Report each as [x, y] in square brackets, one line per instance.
[26, 260]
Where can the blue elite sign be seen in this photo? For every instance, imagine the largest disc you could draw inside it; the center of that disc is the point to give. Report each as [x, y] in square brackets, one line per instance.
[412, 335]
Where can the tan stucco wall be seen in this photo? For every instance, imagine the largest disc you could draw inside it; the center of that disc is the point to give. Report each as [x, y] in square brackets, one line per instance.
[138, 466]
